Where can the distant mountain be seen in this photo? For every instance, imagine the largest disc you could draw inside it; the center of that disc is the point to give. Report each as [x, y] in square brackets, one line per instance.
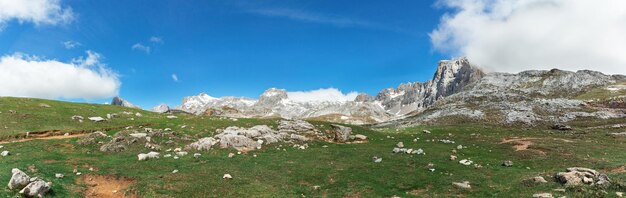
[451, 77]
[529, 98]
[121, 102]
[458, 92]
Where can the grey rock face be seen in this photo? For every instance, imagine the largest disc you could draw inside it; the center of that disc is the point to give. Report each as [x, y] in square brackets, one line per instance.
[342, 133]
[452, 76]
[162, 108]
[18, 180]
[37, 188]
[121, 102]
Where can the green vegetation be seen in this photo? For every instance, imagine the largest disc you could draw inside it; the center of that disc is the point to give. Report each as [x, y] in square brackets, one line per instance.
[340, 170]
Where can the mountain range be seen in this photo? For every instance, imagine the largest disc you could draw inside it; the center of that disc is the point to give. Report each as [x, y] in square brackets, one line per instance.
[458, 91]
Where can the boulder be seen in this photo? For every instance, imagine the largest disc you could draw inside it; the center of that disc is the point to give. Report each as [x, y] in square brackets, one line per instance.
[360, 137]
[139, 135]
[96, 119]
[296, 126]
[150, 155]
[299, 137]
[37, 188]
[542, 195]
[539, 179]
[238, 142]
[342, 133]
[5, 153]
[577, 176]
[202, 144]
[18, 179]
[462, 185]
[507, 163]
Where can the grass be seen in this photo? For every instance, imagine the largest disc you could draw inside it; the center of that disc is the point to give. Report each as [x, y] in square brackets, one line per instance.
[341, 170]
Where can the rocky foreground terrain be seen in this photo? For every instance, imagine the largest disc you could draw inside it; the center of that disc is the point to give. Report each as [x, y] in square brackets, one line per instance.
[458, 90]
[61, 149]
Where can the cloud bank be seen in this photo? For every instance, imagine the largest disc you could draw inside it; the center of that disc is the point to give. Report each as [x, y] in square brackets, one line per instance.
[39, 12]
[327, 94]
[516, 35]
[31, 76]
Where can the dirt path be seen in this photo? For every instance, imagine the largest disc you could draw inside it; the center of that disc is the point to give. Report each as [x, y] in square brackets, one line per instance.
[46, 137]
[107, 186]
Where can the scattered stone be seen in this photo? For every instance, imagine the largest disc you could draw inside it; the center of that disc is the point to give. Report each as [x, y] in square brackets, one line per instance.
[96, 119]
[5, 153]
[619, 194]
[459, 147]
[231, 155]
[138, 114]
[78, 173]
[426, 131]
[78, 118]
[317, 187]
[59, 175]
[44, 105]
[182, 153]
[139, 135]
[462, 185]
[507, 163]
[466, 162]
[539, 179]
[559, 190]
[227, 176]
[18, 179]
[542, 195]
[167, 155]
[400, 145]
[175, 171]
[171, 117]
[150, 155]
[37, 188]
[453, 157]
[342, 133]
[377, 159]
[360, 137]
[197, 155]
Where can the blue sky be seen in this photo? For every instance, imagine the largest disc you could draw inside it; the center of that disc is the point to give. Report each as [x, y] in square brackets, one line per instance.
[240, 48]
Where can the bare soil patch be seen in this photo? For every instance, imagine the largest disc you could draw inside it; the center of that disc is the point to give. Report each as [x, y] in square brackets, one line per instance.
[107, 186]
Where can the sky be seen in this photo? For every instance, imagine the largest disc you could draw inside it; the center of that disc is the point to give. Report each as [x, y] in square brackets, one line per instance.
[152, 52]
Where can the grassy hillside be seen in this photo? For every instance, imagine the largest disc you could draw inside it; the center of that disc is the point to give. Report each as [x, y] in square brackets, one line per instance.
[323, 170]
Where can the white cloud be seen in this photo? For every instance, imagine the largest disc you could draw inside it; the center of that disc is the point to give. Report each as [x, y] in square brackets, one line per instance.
[516, 35]
[47, 12]
[156, 39]
[31, 76]
[71, 44]
[327, 94]
[175, 77]
[141, 47]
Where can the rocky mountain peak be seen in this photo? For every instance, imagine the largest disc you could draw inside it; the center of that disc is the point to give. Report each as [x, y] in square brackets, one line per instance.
[363, 97]
[272, 96]
[162, 108]
[118, 101]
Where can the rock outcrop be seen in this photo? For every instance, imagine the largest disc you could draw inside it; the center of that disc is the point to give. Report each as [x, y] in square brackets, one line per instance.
[162, 108]
[121, 102]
